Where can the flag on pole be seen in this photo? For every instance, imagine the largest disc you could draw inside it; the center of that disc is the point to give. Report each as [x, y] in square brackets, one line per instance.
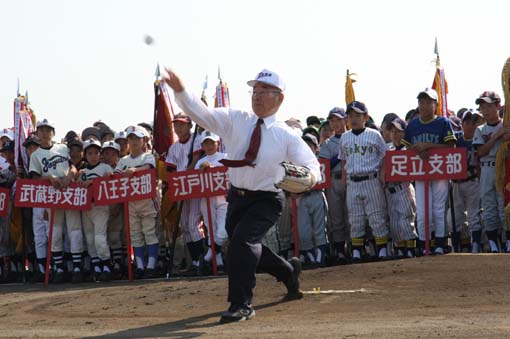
[24, 120]
[222, 98]
[349, 89]
[440, 86]
[163, 115]
[204, 87]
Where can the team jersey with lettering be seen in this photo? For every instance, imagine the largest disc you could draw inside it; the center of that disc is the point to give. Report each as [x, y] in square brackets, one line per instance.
[50, 161]
[329, 150]
[468, 145]
[93, 172]
[177, 156]
[483, 134]
[129, 161]
[437, 131]
[363, 152]
[212, 159]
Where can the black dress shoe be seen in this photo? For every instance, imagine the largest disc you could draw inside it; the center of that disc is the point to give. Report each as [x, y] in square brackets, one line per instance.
[292, 284]
[237, 313]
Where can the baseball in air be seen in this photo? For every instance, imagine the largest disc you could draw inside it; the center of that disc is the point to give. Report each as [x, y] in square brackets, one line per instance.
[148, 40]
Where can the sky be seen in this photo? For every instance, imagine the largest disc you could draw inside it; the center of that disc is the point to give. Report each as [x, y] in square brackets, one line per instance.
[86, 61]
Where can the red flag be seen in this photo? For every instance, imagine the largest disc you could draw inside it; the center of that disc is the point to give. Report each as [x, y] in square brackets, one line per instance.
[222, 98]
[163, 115]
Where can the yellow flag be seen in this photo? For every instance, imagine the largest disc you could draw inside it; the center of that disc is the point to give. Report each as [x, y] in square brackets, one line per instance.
[349, 90]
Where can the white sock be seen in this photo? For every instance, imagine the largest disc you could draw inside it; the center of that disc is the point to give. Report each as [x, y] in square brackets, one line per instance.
[151, 263]
[319, 255]
[382, 252]
[439, 250]
[106, 268]
[508, 245]
[194, 263]
[475, 248]
[356, 254]
[310, 256]
[493, 246]
[208, 255]
[219, 259]
[139, 263]
[41, 268]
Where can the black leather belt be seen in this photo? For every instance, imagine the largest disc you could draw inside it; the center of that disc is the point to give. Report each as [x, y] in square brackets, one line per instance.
[241, 192]
[356, 178]
[394, 189]
[470, 178]
[337, 175]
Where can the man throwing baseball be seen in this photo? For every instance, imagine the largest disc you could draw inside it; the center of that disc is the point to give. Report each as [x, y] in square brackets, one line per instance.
[257, 143]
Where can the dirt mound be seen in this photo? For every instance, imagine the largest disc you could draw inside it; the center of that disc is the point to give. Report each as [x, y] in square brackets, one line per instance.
[459, 296]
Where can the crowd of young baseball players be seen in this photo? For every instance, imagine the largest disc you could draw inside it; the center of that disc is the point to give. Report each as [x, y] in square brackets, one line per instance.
[359, 217]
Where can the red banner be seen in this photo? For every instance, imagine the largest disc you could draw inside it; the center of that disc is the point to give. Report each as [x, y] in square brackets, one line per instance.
[325, 181]
[442, 164]
[198, 184]
[40, 193]
[119, 188]
[4, 201]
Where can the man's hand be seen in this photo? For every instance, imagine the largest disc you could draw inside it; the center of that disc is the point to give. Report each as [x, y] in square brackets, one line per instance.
[173, 81]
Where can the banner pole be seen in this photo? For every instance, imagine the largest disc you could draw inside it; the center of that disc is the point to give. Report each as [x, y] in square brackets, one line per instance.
[129, 252]
[427, 221]
[211, 236]
[48, 250]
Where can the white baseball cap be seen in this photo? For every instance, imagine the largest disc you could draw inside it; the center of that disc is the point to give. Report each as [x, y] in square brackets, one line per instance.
[112, 145]
[209, 135]
[268, 77]
[44, 122]
[120, 135]
[91, 142]
[136, 130]
[7, 132]
[431, 93]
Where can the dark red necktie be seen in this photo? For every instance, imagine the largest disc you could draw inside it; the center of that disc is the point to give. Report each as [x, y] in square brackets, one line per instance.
[251, 153]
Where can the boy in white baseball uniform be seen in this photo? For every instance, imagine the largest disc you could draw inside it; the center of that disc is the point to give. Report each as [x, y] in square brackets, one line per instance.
[116, 235]
[218, 204]
[362, 151]
[142, 213]
[95, 220]
[178, 159]
[486, 142]
[312, 219]
[51, 162]
[401, 201]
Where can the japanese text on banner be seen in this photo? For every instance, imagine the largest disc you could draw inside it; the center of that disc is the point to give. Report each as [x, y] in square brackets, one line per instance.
[442, 164]
[4, 201]
[118, 188]
[40, 193]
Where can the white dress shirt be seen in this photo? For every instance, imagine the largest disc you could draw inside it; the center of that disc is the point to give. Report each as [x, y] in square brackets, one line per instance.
[278, 143]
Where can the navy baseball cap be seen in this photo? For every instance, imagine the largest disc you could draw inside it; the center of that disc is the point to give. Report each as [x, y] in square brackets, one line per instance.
[472, 114]
[358, 107]
[489, 97]
[455, 122]
[7, 146]
[399, 124]
[338, 112]
[32, 139]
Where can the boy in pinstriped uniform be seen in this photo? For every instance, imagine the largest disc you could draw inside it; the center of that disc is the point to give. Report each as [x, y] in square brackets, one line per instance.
[340, 229]
[362, 151]
[401, 201]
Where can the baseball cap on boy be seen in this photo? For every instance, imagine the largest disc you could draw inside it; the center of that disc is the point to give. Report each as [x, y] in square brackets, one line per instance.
[140, 132]
[45, 122]
[358, 107]
[91, 142]
[7, 132]
[489, 97]
[310, 138]
[112, 145]
[427, 92]
[268, 77]
[471, 114]
[181, 117]
[399, 124]
[208, 135]
[338, 112]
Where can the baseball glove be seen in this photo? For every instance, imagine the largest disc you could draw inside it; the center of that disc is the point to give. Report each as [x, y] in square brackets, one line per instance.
[296, 179]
